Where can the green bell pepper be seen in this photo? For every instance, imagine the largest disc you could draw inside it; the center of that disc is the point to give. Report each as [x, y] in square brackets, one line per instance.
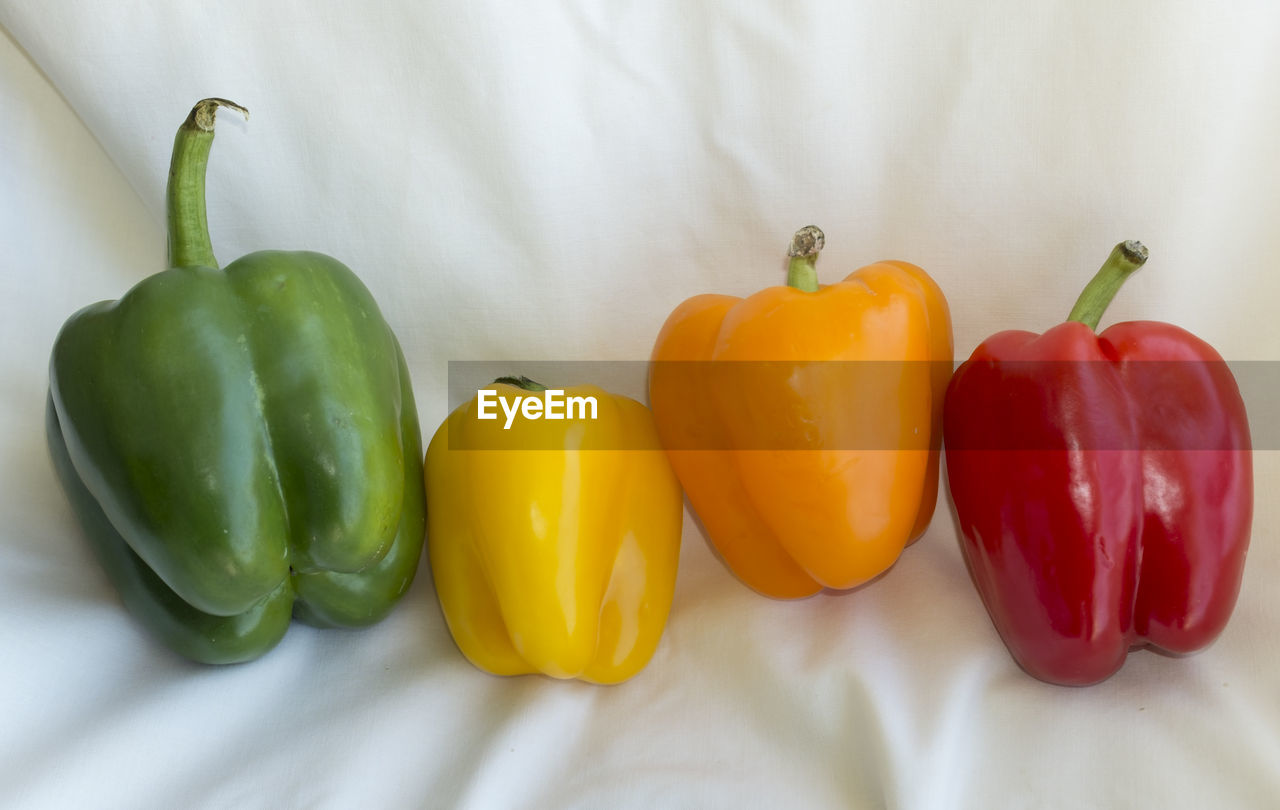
[239, 445]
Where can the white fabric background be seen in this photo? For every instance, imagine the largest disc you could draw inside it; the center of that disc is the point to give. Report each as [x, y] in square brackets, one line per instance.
[546, 181]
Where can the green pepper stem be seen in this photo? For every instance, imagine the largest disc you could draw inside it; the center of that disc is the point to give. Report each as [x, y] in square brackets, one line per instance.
[1125, 258]
[188, 224]
[522, 382]
[802, 272]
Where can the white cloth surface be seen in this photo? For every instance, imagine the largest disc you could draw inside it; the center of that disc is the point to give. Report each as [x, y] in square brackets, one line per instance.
[546, 181]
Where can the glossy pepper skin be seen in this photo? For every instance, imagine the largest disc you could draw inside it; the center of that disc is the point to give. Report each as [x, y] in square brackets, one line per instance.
[554, 544]
[1104, 487]
[804, 421]
[239, 445]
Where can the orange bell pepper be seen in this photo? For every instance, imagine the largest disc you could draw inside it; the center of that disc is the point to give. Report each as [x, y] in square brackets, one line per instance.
[804, 421]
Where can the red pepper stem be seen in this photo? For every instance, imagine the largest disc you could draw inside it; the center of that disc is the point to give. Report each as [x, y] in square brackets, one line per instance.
[802, 273]
[1125, 258]
[188, 224]
[521, 382]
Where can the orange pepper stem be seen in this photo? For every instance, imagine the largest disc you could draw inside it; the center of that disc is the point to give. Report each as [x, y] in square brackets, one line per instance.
[1125, 258]
[521, 382]
[802, 273]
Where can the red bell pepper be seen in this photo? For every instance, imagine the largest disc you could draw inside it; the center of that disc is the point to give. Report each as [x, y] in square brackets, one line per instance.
[1103, 484]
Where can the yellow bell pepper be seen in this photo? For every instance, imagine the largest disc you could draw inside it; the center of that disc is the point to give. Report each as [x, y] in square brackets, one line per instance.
[553, 541]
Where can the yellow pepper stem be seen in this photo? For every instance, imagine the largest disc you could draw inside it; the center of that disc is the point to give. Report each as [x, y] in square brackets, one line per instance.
[521, 382]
